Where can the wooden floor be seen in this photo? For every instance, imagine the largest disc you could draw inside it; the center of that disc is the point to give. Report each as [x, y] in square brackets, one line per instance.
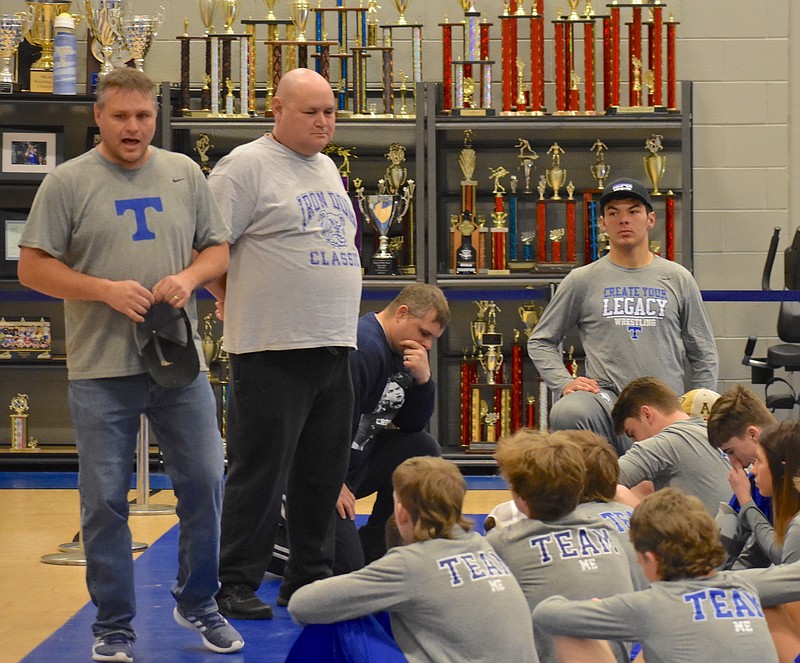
[37, 598]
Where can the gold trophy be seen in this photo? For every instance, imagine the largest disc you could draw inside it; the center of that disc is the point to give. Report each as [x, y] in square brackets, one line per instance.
[529, 314]
[231, 9]
[202, 146]
[655, 163]
[478, 326]
[208, 342]
[573, 13]
[207, 8]
[41, 33]
[401, 6]
[19, 422]
[104, 23]
[12, 31]
[271, 10]
[491, 358]
[300, 13]
[600, 169]
[556, 175]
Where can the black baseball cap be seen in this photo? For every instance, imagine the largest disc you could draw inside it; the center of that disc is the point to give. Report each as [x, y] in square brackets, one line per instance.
[626, 187]
[166, 343]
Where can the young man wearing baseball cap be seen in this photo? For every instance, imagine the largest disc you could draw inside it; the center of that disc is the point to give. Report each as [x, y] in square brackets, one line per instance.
[637, 314]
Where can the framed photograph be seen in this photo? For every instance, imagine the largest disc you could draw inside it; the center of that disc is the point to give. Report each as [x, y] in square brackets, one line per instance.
[24, 339]
[11, 226]
[29, 154]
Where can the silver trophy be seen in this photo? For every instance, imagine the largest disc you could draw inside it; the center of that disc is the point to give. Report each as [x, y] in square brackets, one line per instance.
[138, 31]
[12, 31]
[383, 209]
[103, 18]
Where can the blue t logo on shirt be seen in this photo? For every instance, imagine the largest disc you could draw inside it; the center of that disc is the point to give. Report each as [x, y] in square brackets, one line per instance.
[139, 205]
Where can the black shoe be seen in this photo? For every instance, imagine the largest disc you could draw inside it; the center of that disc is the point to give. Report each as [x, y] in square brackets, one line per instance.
[281, 600]
[240, 602]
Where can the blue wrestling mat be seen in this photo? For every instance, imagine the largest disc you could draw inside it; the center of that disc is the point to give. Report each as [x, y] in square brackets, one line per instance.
[159, 638]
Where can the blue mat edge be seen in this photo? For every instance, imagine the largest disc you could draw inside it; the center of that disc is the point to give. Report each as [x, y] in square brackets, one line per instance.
[69, 480]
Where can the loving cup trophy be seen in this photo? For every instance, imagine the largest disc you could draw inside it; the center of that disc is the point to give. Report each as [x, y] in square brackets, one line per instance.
[12, 31]
[103, 18]
[300, 14]
[138, 31]
[41, 30]
[383, 209]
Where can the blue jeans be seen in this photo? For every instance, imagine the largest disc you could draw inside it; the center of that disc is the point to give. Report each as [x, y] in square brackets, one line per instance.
[105, 415]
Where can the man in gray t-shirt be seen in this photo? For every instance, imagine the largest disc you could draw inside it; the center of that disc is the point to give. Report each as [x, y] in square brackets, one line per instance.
[291, 304]
[636, 314]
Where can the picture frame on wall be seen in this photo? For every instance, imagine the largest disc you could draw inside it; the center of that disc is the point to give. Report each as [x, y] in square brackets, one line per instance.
[28, 154]
[12, 224]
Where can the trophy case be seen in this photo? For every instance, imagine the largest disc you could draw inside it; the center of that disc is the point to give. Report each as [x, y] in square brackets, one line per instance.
[456, 164]
[536, 182]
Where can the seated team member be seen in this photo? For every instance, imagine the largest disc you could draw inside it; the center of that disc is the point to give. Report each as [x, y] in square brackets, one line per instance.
[597, 498]
[777, 472]
[555, 550]
[394, 400]
[734, 427]
[691, 613]
[446, 590]
[735, 424]
[671, 448]
[636, 313]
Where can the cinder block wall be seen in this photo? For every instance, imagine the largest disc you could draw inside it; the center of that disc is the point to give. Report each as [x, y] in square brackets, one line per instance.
[741, 55]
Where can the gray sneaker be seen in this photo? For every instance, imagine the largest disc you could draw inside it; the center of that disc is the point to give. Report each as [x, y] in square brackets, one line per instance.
[115, 647]
[217, 634]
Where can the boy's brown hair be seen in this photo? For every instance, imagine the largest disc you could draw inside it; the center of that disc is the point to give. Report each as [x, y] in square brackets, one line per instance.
[733, 412]
[678, 529]
[432, 491]
[546, 471]
[781, 445]
[602, 465]
[639, 392]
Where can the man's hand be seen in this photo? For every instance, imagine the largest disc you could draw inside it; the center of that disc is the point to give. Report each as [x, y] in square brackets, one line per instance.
[130, 298]
[415, 360]
[346, 504]
[175, 290]
[739, 481]
[581, 384]
[219, 309]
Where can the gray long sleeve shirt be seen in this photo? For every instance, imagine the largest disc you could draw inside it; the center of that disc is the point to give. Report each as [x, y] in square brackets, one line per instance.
[697, 620]
[444, 596]
[632, 323]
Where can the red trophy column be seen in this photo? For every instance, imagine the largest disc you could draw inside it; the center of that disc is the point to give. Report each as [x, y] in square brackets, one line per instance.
[447, 65]
[516, 384]
[671, 100]
[670, 225]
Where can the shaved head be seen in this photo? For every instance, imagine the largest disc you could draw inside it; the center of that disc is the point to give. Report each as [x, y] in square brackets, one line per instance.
[305, 112]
